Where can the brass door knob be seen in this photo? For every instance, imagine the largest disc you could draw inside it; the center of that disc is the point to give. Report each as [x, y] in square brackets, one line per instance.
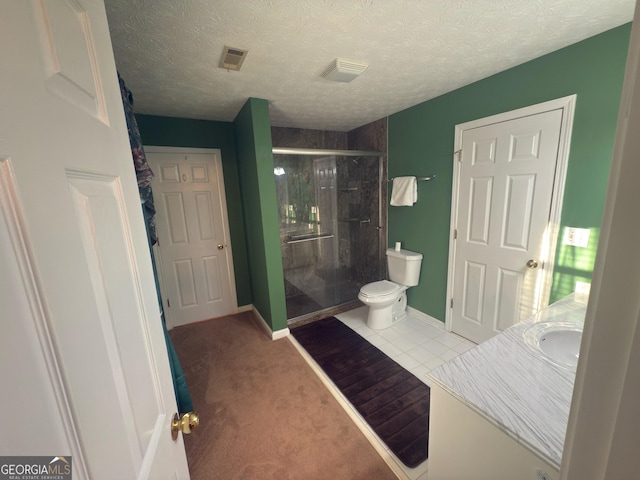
[532, 264]
[188, 422]
[220, 246]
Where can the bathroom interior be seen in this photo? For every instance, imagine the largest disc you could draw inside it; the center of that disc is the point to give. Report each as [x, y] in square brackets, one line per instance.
[417, 141]
[552, 397]
[318, 270]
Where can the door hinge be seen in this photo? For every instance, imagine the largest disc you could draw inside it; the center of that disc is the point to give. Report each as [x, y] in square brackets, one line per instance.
[459, 154]
[451, 303]
[168, 303]
[455, 233]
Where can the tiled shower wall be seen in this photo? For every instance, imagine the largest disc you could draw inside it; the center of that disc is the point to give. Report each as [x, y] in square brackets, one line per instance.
[302, 138]
[370, 137]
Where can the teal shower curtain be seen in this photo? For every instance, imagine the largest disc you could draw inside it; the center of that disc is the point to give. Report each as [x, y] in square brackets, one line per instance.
[144, 176]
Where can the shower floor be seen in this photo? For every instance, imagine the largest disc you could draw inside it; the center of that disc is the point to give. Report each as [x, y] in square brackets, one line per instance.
[302, 303]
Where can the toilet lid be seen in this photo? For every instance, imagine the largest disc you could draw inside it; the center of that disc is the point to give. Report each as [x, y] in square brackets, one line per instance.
[379, 289]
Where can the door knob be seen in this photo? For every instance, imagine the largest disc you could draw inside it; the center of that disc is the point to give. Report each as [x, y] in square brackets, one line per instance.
[532, 264]
[188, 422]
[220, 246]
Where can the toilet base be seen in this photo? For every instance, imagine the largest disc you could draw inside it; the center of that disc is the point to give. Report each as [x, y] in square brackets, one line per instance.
[380, 318]
[385, 317]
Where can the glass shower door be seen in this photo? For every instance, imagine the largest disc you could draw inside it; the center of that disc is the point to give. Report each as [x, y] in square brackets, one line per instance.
[307, 214]
[328, 235]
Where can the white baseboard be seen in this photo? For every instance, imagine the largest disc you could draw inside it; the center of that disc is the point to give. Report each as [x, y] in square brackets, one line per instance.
[278, 334]
[274, 335]
[244, 308]
[434, 322]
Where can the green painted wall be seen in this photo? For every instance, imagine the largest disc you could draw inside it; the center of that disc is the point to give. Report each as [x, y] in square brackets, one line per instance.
[421, 141]
[258, 187]
[182, 132]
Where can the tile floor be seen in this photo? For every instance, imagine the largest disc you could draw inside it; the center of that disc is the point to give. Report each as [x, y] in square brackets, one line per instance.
[416, 345]
[413, 343]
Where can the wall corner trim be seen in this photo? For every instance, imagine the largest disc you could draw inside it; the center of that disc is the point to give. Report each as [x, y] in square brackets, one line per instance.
[275, 335]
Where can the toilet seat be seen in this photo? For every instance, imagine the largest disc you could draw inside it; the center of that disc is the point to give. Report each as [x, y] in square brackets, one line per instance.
[380, 290]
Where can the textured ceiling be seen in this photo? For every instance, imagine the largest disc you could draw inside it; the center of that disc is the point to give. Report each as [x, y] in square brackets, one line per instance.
[168, 51]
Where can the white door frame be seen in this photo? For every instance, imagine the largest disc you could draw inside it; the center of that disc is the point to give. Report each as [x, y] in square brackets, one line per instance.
[225, 224]
[567, 105]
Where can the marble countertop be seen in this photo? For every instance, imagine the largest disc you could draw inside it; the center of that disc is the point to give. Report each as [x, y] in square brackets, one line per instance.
[510, 384]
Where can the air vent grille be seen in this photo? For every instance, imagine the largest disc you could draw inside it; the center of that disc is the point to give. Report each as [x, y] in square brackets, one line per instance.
[232, 58]
[342, 70]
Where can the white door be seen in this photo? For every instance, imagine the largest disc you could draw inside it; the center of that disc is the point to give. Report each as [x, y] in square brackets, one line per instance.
[506, 180]
[194, 251]
[84, 368]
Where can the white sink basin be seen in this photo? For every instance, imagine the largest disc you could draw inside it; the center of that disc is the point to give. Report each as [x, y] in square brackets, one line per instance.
[559, 342]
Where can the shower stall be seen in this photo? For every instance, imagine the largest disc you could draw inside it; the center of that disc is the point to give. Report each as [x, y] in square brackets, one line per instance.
[330, 226]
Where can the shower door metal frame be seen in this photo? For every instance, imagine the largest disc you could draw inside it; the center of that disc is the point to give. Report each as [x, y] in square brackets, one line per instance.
[318, 152]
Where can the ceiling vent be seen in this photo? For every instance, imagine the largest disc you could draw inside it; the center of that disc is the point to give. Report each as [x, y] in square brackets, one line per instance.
[232, 58]
[342, 70]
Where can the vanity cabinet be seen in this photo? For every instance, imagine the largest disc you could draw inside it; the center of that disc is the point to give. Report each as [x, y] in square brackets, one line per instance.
[465, 445]
[500, 410]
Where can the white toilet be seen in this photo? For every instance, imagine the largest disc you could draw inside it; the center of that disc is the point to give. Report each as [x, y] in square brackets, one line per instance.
[387, 300]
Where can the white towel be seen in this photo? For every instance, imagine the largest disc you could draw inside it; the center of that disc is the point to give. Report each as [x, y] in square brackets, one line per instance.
[404, 192]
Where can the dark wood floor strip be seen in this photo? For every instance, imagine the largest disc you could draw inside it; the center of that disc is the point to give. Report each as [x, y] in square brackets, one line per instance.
[392, 400]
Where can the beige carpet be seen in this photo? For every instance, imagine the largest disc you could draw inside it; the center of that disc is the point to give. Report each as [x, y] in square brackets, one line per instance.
[264, 414]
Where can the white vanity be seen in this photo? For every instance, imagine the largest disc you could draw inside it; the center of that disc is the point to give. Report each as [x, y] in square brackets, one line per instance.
[500, 410]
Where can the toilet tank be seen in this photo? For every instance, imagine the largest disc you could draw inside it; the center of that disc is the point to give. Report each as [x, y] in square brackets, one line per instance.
[404, 266]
